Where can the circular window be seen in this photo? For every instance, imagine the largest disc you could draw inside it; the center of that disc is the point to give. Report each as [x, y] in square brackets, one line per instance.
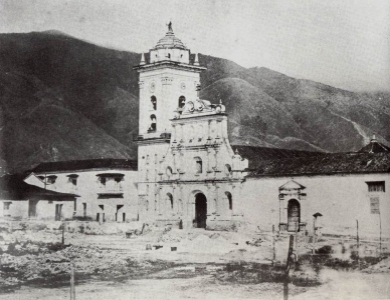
[152, 86]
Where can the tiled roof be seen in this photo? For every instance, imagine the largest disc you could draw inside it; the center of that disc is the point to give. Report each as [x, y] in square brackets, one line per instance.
[324, 164]
[375, 147]
[12, 187]
[75, 165]
[170, 41]
[256, 155]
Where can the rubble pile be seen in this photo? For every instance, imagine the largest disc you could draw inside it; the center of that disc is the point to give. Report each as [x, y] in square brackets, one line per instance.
[50, 263]
[381, 267]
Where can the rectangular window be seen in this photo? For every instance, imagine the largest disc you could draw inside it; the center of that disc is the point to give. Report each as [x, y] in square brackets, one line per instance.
[51, 180]
[374, 205]
[7, 205]
[376, 186]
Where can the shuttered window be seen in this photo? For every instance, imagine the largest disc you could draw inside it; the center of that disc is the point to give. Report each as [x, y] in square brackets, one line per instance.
[376, 186]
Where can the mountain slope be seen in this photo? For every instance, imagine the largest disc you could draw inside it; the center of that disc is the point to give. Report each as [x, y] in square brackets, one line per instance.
[63, 98]
[36, 126]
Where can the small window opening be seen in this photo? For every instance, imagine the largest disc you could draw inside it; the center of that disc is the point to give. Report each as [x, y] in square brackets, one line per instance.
[153, 126]
[7, 205]
[228, 169]
[153, 99]
[230, 200]
[182, 101]
[198, 163]
[376, 186]
[170, 201]
[51, 179]
[169, 172]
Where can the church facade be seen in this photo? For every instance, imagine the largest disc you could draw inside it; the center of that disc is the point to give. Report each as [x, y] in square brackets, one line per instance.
[187, 175]
[188, 171]
[190, 176]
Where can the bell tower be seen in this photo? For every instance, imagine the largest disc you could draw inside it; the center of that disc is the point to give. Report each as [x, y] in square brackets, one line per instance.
[168, 78]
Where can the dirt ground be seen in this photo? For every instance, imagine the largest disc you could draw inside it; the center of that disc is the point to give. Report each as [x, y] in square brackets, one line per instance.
[164, 263]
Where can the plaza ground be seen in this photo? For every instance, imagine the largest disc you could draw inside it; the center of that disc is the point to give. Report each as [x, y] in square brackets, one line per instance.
[188, 264]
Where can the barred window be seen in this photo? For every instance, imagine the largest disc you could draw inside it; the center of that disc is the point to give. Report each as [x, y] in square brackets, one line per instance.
[376, 186]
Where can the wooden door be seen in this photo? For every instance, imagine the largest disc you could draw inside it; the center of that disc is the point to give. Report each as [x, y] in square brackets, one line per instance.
[294, 215]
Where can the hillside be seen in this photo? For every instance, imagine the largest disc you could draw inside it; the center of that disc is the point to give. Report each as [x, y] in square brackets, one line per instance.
[63, 98]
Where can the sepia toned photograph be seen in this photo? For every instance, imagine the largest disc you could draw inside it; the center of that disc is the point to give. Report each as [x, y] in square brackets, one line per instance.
[194, 149]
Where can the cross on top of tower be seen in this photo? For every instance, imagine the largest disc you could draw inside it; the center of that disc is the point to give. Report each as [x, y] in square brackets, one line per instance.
[170, 26]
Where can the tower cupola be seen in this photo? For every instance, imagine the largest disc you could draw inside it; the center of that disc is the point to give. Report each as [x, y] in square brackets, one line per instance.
[170, 48]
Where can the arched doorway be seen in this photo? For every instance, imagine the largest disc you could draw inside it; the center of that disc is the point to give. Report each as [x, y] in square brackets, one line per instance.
[293, 215]
[200, 211]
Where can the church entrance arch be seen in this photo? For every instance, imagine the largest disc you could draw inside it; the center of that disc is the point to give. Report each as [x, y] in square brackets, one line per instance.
[200, 211]
[293, 215]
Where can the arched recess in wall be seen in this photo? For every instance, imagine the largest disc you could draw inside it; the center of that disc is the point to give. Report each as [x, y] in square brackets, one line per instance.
[230, 200]
[198, 165]
[191, 133]
[200, 132]
[153, 99]
[169, 203]
[182, 101]
[293, 215]
[153, 125]
[228, 170]
[169, 172]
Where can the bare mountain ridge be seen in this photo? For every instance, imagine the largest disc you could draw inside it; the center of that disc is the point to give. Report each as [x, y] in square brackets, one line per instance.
[63, 98]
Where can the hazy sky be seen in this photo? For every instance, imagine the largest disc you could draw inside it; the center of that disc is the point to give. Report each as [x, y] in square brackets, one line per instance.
[344, 43]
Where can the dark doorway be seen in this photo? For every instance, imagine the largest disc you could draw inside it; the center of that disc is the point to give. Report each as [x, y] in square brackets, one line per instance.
[200, 211]
[293, 215]
[58, 212]
[117, 214]
[84, 210]
[32, 208]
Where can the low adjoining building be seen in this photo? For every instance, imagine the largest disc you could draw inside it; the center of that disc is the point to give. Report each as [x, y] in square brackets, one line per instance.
[22, 201]
[106, 187]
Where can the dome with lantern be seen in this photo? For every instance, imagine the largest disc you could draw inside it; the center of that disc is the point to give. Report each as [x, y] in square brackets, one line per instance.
[170, 41]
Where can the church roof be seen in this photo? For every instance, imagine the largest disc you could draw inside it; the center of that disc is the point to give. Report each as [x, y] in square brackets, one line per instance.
[170, 41]
[12, 187]
[324, 164]
[256, 155]
[77, 165]
[375, 147]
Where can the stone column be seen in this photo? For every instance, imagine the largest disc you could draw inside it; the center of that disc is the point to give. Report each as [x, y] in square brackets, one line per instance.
[209, 129]
[159, 200]
[216, 160]
[208, 162]
[212, 209]
[190, 211]
[181, 136]
[219, 129]
[237, 200]
[174, 133]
